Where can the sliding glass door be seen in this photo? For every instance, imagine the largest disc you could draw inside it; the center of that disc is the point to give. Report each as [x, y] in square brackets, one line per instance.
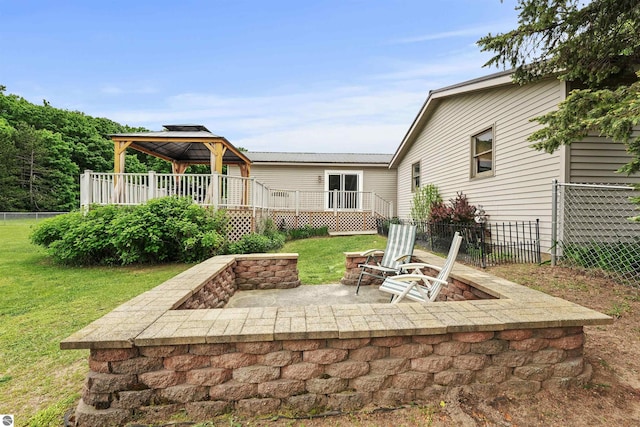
[343, 189]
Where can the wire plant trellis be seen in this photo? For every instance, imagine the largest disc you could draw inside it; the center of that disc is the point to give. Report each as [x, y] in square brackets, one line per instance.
[486, 243]
[592, 229]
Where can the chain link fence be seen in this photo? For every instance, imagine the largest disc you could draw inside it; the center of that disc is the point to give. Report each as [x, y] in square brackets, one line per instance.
[22, 216]
[592, 229]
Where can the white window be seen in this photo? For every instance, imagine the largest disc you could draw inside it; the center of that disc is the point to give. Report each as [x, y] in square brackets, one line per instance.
[482, 158]
[343, 189]
[415, 176]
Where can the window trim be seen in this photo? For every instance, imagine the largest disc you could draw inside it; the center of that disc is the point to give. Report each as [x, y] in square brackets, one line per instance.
[415, 187]
[473, 173]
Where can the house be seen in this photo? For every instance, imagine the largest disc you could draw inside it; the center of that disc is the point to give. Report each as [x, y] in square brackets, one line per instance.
[472, 137]
[359, 187]
[344, 192]
[362, 172]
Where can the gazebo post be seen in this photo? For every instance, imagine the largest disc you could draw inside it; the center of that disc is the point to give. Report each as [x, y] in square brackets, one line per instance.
[216, 150]
[119, 156]
[178, 169]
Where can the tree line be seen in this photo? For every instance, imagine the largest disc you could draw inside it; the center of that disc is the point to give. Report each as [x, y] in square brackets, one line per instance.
[44, 149]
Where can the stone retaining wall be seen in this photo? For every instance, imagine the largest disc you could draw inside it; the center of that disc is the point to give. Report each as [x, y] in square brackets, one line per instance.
[253, 272]
[302, 376]
[148, 358]
[247, 273]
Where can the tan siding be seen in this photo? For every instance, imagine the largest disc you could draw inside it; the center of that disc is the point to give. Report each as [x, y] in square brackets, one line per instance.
[380, 180]
[521, 187]
[596, 159]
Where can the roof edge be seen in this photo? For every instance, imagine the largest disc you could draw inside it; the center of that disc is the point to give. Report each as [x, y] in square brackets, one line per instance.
[500, 78]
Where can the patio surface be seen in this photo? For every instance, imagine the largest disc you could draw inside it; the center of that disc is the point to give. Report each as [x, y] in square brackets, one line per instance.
[308, 295]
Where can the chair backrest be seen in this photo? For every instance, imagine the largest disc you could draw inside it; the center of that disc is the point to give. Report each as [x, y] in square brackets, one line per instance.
[400, 242]
[448, 265]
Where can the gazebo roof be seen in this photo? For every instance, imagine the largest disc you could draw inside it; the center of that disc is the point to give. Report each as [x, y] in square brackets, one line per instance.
[182, 143]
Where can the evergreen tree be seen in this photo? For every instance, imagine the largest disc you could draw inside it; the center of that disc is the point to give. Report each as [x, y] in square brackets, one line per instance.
[596, 46]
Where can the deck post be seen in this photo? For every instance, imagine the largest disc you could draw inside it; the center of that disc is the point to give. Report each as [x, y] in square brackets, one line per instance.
[373, 203]
[254, 194]
[215, 186]
[85, 191]
[152, 185]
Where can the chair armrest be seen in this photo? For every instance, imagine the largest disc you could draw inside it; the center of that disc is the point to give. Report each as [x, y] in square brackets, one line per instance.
[420, 265]
[371, 251]
[413, 277]
[401, 257]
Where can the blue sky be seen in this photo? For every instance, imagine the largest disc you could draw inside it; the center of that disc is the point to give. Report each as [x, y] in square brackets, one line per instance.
[310, 76]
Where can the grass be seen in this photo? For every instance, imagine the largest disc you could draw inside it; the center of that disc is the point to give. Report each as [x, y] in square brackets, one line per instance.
[43, 303]
[321, 259]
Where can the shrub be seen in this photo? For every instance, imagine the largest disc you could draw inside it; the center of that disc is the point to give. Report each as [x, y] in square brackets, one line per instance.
[169, 229]
[423, 199]
[459, 211]
[440, 213]
[256, 243]
[79, 239]
[306, 232]
[267, 227]
[162, 230]
[619, 257]
[52, 229]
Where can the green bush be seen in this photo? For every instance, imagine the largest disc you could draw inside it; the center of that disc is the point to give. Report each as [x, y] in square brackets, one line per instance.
[257, 243]
[306, 232]
[423, 199]
[53, 229]
[167, 229]
[618, 257]
[79, 239]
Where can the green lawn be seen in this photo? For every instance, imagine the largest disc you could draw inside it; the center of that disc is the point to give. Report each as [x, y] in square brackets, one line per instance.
[321, 259]
[43, 303]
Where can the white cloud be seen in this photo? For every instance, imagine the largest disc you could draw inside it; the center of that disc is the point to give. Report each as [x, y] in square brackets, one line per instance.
[371, 116]
[136, 88]
[112, 90]
[476, 31]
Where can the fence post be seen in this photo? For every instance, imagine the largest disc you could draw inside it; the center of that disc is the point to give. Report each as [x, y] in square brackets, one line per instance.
[554, 222]
[483, 251]
[538, 255]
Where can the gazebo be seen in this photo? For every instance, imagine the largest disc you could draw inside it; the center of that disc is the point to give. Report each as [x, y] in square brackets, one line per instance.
[182, 145]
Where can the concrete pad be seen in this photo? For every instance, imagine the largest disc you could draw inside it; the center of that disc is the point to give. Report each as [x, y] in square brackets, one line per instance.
[307, 295]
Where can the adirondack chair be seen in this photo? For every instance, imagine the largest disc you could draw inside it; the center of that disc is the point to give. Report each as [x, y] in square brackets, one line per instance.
[398, 252]
[420, 287]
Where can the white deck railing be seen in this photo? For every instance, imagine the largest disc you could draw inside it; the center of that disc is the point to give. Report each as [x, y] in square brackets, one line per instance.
[222, 191]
